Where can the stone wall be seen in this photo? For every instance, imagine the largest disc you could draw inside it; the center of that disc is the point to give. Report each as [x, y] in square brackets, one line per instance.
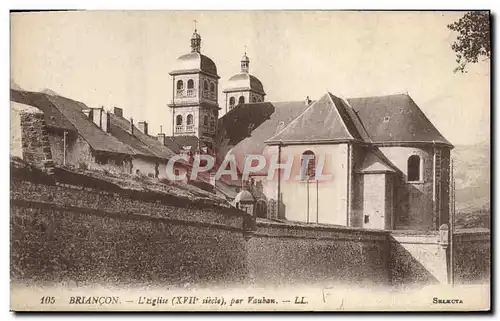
[32, 132]
[472, 258]
[98, 233]
[284, 254]
[67, 233]
[417, 258]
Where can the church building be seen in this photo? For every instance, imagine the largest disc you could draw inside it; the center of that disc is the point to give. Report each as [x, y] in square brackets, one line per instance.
[389, 165]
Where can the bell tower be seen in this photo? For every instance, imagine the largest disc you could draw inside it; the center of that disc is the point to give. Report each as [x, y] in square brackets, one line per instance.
[195, 83]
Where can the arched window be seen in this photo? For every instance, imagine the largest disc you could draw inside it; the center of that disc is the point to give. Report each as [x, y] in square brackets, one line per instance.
[232, 101]
[254, 99]
[178, 120]
[413, 168]
[205, 85]
[261, 209]
[189, 119]
[190, 84]
[212, 87]
[307, 165]
[241, 100]
[180, 84]
[205, 120]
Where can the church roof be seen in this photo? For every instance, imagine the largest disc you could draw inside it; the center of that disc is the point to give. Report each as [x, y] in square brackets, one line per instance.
[247, 126]
[194, 62]
[395, 119]
[244, 81]
[376, 163]
[326, 120]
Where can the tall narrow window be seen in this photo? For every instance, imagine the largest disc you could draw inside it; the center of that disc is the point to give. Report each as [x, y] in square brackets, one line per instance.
[261, 209]
[232, 101]
[205, 120]
[190, 84]
[241, 100]
[212, 87]
[307, 165]
[178, 120]
[414, 168]
[180, 85]
[189, 119]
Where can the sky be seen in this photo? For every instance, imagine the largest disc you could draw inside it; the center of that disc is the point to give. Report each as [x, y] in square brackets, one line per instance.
[122, 59]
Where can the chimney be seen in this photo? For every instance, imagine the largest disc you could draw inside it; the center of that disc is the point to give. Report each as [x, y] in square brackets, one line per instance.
[118, 111]
[307, 101]
[161, 138]
[131, 129]
[106, 121]
[143, 127]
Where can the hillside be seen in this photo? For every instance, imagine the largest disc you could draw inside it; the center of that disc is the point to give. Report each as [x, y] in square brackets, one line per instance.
[472, 179]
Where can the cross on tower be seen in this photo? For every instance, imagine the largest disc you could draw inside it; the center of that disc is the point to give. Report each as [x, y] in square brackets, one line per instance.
[195, 24]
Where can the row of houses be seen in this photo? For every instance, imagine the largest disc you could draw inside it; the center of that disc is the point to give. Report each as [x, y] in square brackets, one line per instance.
[92, 138]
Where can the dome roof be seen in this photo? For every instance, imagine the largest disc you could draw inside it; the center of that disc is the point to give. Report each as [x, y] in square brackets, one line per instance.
[194, 62]
[244, 81]
[244, 197]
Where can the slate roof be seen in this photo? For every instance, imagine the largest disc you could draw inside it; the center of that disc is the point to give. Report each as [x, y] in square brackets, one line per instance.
[373, 163]
[395, 119]
[186, 140]
[93, 135]
[267, 119]
[119, 128]
[53, 117]
[326, 120]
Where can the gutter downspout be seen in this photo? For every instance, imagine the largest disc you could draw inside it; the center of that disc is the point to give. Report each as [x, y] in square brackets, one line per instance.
[64, 148]
[349, 177]
[279, 181]
[434, 218]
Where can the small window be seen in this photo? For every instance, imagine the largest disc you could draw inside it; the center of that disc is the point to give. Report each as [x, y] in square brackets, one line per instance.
[205, 85]
[190, 84]
[367, 219]
[178, 120]
[241, 100]
[254, 99]
[232, 101]
[180, 84]
[414, 168]
[386, 119]
[205, 120]
[308, 156]
[212, 87]
[189, 119]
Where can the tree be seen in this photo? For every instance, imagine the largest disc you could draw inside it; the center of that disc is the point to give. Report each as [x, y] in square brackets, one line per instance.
[473, 40]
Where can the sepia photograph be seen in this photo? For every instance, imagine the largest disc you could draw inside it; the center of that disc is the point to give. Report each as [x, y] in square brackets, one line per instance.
[252, 160]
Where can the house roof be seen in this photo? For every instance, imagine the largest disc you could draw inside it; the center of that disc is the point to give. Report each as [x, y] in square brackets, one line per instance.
[95, 137]
[119, 128]
[395, 119]
[53, 117]
[326, 120]
[191, 141]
